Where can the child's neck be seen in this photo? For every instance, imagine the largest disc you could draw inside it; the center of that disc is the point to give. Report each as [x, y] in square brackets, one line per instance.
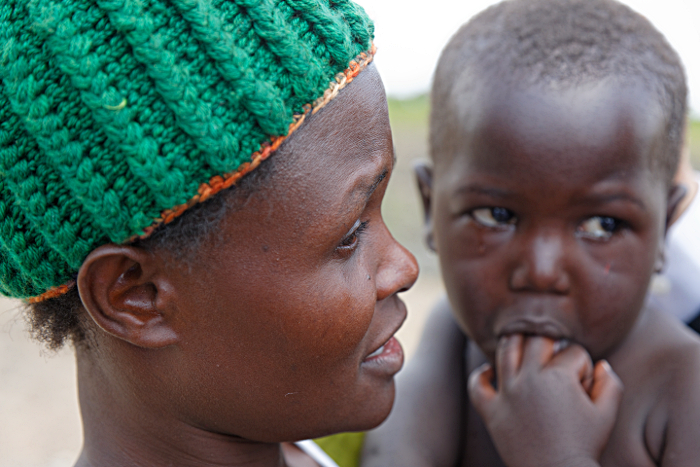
[120, 429]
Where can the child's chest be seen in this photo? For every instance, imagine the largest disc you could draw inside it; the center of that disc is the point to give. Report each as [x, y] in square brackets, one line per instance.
[626, 448]
[478, 449]
[638, 437]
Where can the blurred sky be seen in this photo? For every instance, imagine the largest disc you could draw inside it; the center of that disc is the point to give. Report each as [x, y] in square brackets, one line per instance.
[411, 33]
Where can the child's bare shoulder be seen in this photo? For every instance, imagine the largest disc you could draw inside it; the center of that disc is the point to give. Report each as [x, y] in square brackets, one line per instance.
[671, 354]
[660, 368]
[674, 421]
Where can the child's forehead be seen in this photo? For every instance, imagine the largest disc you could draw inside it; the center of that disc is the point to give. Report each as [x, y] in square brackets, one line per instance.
[554, 121]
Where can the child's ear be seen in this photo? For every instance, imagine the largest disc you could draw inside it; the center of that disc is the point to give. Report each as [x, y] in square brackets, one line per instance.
[675, 201]
[424, 177]
[124, 292]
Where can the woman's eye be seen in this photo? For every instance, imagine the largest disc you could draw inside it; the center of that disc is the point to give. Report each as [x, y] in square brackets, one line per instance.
[599, 227]
[351, 239]
[493, 217]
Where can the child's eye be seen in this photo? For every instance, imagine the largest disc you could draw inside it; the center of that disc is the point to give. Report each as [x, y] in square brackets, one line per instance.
[494, 217]
[351, 239]
[599, 227]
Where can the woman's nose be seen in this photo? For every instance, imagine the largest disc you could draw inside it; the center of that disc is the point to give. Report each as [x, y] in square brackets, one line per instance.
[541, 266]
[397, 271]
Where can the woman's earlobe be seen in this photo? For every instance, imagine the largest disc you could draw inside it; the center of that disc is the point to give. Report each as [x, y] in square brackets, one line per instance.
[424, 180]
[121, 288]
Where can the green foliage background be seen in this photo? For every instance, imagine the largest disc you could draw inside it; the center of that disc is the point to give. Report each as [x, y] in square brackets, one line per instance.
[694, 134]
[402, 208]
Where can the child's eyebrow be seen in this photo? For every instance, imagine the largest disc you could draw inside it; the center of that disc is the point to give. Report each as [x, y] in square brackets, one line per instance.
[482, 190]
[612, 197]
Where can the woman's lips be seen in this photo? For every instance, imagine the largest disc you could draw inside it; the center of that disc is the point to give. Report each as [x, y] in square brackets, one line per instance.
[388, 358]
[375, 353]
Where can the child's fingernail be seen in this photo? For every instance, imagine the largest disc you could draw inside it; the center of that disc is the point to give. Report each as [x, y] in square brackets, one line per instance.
[606, 365]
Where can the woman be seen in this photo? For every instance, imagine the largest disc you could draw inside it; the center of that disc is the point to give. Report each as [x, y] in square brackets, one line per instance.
[220, 301]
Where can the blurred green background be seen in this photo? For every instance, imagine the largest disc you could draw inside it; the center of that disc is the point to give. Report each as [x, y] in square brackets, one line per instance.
[402, 209]
[403, 212]
[694, 134]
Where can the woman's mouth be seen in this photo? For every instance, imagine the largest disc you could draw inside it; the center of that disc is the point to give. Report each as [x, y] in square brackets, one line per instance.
[390, 347]
[376, 352]
[387, 359]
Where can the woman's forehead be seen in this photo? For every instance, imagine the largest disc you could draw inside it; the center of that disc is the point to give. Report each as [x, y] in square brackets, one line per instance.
[331, 166]
[350, 135]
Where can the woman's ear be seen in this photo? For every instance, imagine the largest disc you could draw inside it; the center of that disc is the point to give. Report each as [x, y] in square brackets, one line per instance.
[126, 294]
[424, 178]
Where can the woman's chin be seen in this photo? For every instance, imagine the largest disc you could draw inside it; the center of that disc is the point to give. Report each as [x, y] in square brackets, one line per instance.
[370, 413]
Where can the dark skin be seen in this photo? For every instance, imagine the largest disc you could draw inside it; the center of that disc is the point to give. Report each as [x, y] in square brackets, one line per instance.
[279, 330]
[430, 420]
[549, 217]
[267, 335]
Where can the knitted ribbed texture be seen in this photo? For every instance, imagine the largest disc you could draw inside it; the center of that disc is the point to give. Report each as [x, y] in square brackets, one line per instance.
[117, 115]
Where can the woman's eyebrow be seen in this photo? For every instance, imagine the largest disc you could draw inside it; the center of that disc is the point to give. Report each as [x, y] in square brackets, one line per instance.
[378, 179]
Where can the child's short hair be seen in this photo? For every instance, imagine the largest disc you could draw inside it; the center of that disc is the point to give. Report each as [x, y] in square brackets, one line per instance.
[118, 117]
[560, 42]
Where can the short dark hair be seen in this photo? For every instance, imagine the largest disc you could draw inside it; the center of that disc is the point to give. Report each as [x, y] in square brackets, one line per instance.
[532, 42]
[62, 319]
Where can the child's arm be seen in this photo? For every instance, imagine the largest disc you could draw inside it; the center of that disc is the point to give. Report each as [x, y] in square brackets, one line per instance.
[423, 429]
[549, 410]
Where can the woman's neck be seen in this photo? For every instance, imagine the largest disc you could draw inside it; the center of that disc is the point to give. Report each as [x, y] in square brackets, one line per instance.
[121, 428]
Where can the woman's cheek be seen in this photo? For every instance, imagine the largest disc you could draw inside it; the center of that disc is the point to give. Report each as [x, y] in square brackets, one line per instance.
[340, 318]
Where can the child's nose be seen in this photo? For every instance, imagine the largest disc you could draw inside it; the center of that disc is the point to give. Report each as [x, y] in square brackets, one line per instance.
[397, 271]
[541, 266]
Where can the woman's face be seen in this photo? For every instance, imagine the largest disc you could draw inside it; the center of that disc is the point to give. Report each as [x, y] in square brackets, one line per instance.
[278, 324]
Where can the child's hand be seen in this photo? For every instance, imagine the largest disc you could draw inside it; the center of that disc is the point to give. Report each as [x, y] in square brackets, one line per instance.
[550, 409]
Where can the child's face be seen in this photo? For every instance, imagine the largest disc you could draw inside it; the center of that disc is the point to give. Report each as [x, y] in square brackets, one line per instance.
[279, 321]
[548, 215]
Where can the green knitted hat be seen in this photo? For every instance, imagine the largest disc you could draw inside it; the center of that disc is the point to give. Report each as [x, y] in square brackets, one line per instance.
[118, 115]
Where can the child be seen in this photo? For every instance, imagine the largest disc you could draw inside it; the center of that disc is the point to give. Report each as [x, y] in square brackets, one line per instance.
[555, 134]
[215, 310]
